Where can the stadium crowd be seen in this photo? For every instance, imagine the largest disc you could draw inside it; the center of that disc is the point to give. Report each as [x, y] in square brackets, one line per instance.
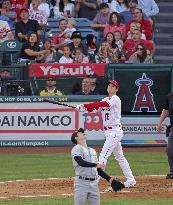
[123, 30]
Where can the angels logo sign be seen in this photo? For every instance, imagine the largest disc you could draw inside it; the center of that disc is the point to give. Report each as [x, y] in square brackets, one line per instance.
[144, 97]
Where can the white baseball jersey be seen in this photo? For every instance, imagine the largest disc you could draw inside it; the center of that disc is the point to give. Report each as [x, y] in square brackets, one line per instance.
[112, 115]
[88, 154]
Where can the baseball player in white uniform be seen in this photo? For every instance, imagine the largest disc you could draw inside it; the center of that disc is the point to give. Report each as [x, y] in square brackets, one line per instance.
[87, 170]
[111, 115]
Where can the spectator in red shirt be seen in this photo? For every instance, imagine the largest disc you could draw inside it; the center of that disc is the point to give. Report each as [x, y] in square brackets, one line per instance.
[58, 40]
[130, 45]
[145, 24]
[17, 5]
[115, 25]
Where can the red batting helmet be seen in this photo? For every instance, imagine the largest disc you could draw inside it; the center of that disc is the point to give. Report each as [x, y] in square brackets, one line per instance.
[114, 83]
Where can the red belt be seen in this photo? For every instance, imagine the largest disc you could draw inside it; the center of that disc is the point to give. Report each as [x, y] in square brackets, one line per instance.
[110, 128]
[107, 128]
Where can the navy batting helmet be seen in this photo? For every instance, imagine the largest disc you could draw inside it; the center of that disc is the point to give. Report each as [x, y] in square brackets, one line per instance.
[74, 135]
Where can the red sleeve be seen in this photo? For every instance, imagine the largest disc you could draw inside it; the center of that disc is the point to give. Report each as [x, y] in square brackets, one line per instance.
[96, 105]
[147, 27]
[149, 45]
[55, 40]
[128, 26]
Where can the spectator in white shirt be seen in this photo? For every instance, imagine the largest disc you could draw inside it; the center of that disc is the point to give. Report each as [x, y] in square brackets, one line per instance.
[68, 8]
[44, 6]
[63, 8]
[66, 58]
[36, 14]
[118, 6]
[5, 32]
[149, 7]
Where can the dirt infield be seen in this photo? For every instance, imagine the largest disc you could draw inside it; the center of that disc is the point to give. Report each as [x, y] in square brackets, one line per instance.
[148, 187]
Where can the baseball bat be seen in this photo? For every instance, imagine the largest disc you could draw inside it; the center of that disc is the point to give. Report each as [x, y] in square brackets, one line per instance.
[58, 103]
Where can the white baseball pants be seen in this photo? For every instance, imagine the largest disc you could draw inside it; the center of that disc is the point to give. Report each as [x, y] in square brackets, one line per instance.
[113, 145]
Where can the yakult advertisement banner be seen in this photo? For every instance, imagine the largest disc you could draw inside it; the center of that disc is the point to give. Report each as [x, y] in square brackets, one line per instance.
[65, 70]
[42, 124]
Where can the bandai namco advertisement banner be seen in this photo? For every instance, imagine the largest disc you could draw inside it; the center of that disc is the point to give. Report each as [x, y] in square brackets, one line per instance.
[45, 124]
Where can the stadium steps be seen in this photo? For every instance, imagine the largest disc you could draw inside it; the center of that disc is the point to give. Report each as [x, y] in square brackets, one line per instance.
[163, 59]
[162, 49]
[163, 36]
[165, 17]
[165, 27]
[163, 39]
[165, 6]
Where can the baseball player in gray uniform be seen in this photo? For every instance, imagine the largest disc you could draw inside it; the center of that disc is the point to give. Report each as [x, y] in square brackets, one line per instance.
[87, 170]
[110, 108]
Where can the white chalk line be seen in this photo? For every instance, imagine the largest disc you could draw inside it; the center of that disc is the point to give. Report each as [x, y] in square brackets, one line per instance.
[25, 180]
[34, 196]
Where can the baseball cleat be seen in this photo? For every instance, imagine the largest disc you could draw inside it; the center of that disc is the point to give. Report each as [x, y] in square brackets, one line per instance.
[129, 183]
[169, 176]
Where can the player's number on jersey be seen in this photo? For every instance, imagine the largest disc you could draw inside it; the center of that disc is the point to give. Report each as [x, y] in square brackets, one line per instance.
[106, 116]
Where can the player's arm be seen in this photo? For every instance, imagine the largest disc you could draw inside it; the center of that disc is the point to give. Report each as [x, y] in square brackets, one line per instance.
[84, 163]
[92, 106]
[103, 174]
[164, 114]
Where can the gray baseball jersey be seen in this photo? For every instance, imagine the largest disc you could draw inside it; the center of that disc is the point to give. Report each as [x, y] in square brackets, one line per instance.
[88, 154]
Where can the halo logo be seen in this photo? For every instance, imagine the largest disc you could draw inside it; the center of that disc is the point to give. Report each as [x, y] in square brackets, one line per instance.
[144, 97]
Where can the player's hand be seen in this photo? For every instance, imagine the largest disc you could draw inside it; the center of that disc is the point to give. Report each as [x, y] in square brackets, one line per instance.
[102, 166]
[81, 108]
[159, 127]
[95, 111]
[111, 179]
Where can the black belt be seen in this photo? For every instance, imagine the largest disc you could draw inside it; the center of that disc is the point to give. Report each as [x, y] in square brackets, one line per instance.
[87, 178]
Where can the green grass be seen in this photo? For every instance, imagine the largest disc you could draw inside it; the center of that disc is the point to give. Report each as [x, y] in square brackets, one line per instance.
[56, 201]
[30, 166]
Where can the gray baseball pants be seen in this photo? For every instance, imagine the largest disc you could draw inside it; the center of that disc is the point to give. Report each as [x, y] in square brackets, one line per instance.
[86, 191]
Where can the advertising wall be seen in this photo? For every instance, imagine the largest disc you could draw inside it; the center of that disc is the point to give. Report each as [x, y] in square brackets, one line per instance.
[44, 124]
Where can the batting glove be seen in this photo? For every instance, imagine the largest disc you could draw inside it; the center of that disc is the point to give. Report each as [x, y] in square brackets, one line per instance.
[81, 108]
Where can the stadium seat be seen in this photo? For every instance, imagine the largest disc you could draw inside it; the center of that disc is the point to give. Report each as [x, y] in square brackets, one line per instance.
[52, 23]
[11, 51]
[80, 23]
